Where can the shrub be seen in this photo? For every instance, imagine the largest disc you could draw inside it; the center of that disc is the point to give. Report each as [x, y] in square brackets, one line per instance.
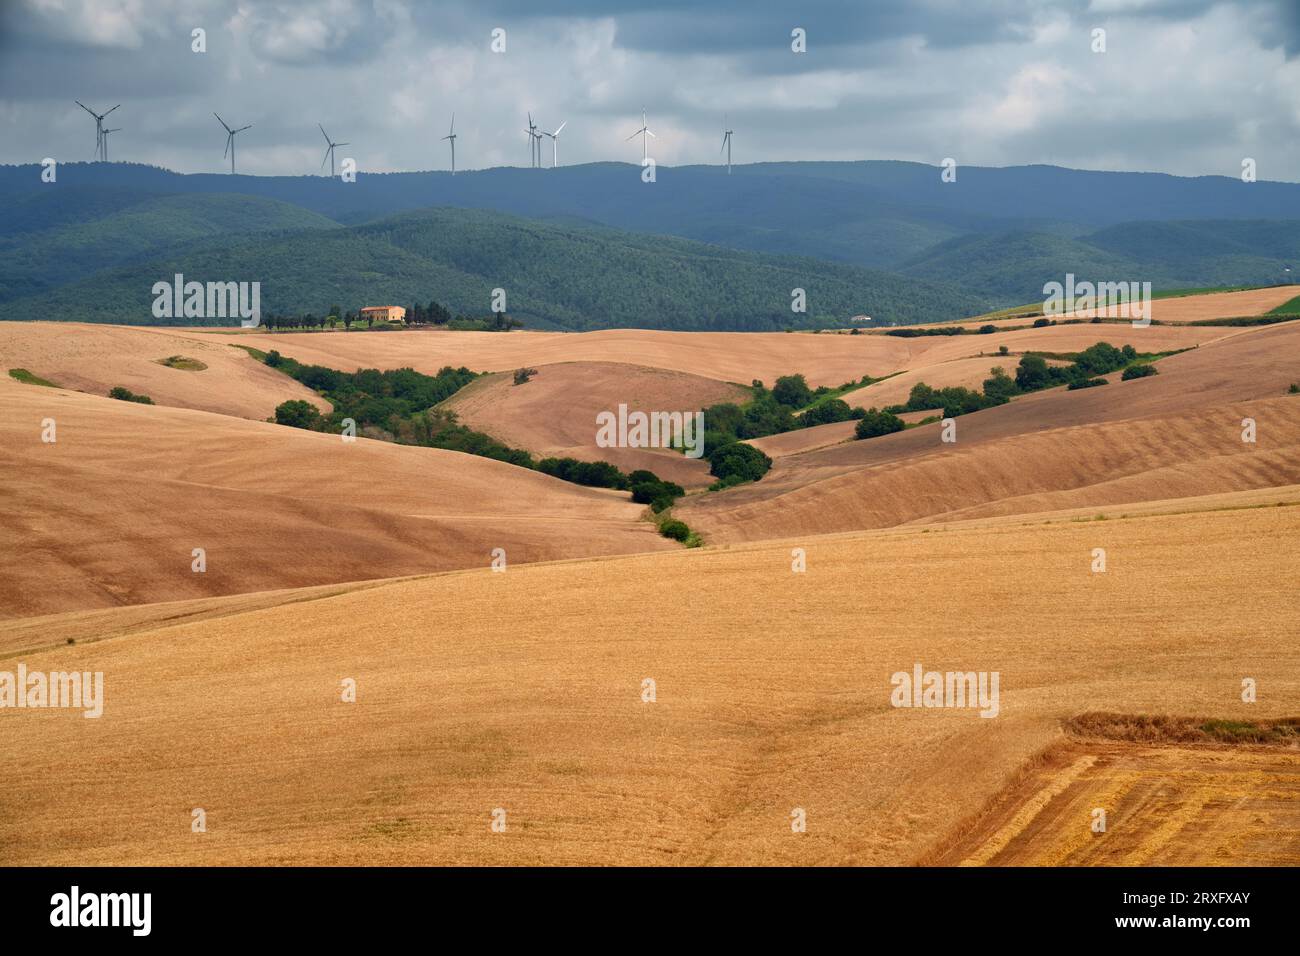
[524, 374]
[274, 359]
[182, 362]
[677, 530]
[297, 413]
[1294, 389]
[988, 329]
[832, 410]
[1085, 383]
[126, 395]
[739, 460]
[876, 423]
[1138, 371]
[1000, 386]
[1042, 323]
[1032, 373]
[792, 391]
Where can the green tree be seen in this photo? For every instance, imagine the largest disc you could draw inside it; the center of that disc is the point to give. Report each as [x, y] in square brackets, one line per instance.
[876, 423]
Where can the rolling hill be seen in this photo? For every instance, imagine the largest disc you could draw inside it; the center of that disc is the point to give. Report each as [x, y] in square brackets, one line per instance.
[523, 691]
[991, 239]
[555, 276]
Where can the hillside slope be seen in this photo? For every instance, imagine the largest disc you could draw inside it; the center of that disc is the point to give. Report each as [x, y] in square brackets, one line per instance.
[110, 513]
[523, 691]
[1174, 435]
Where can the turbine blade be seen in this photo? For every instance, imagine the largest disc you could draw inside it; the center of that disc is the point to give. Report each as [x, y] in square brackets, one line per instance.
[250, 126]
[229, 139]
[222, 122]
[652, 135]
[86, 108]
[323, 133]
[340, 144]
[453, 124]
[633, 136]
[115, 107]
[562, 125]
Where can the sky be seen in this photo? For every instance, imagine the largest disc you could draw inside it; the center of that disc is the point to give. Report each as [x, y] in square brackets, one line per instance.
[1190, 87]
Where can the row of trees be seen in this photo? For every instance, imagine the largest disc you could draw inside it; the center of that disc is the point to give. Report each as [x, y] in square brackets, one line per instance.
[435, 313]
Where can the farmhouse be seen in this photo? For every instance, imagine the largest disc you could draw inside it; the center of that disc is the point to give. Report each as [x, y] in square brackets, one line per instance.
[384, 313]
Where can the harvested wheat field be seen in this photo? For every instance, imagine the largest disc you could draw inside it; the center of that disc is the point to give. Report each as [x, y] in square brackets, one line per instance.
[1167, 805]
[1178, 434]
[95, 358]
[554, 412]
[738, 357]
[110, 513]
[523, 691]
[1175, 309]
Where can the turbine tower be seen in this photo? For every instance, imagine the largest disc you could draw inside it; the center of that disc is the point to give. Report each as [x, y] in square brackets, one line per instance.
[100, 151]
[106, 132]
[554, 141]
[230, 141]
[643, 132]
[451, 135]
[329, 150]
[726, 142]
[534, 144]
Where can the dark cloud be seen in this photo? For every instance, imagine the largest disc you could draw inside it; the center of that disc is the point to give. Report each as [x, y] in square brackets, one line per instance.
[1187, 86]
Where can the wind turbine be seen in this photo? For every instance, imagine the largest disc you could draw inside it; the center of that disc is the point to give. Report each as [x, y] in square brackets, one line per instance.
[106, 132]
[99, 128]
[230, 141]
[554, 141]
[451, 135]
[643, 132]
[726, 142]
[534, 143]
[329, 149]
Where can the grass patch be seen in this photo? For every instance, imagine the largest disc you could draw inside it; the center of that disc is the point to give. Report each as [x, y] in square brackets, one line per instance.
[1270, 318]
[123, 394]
[26, 377]
[184, 363]
[1289, 307]
[1163, 729]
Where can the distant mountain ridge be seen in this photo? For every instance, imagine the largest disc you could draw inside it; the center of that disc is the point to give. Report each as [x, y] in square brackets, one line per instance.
[993, 237]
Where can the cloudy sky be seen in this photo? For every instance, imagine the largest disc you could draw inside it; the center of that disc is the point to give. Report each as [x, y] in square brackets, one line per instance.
[1185, 86]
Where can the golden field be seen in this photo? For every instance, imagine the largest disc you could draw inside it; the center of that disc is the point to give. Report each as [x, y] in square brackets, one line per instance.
[524, 690]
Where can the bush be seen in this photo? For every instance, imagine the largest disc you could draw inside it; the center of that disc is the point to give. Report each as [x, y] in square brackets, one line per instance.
[1294, 389]
[739, 460]
[792, 391]
[1042, 323]
[594, 474]
[274, 359]
[876, 423]
[1033, 373]
[126, 395]
[1138, 371]
[677, 530]
[524, 374]
[1085, 383]
[832, 410]
[988, 329]
[297, 413]
[648, 492]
